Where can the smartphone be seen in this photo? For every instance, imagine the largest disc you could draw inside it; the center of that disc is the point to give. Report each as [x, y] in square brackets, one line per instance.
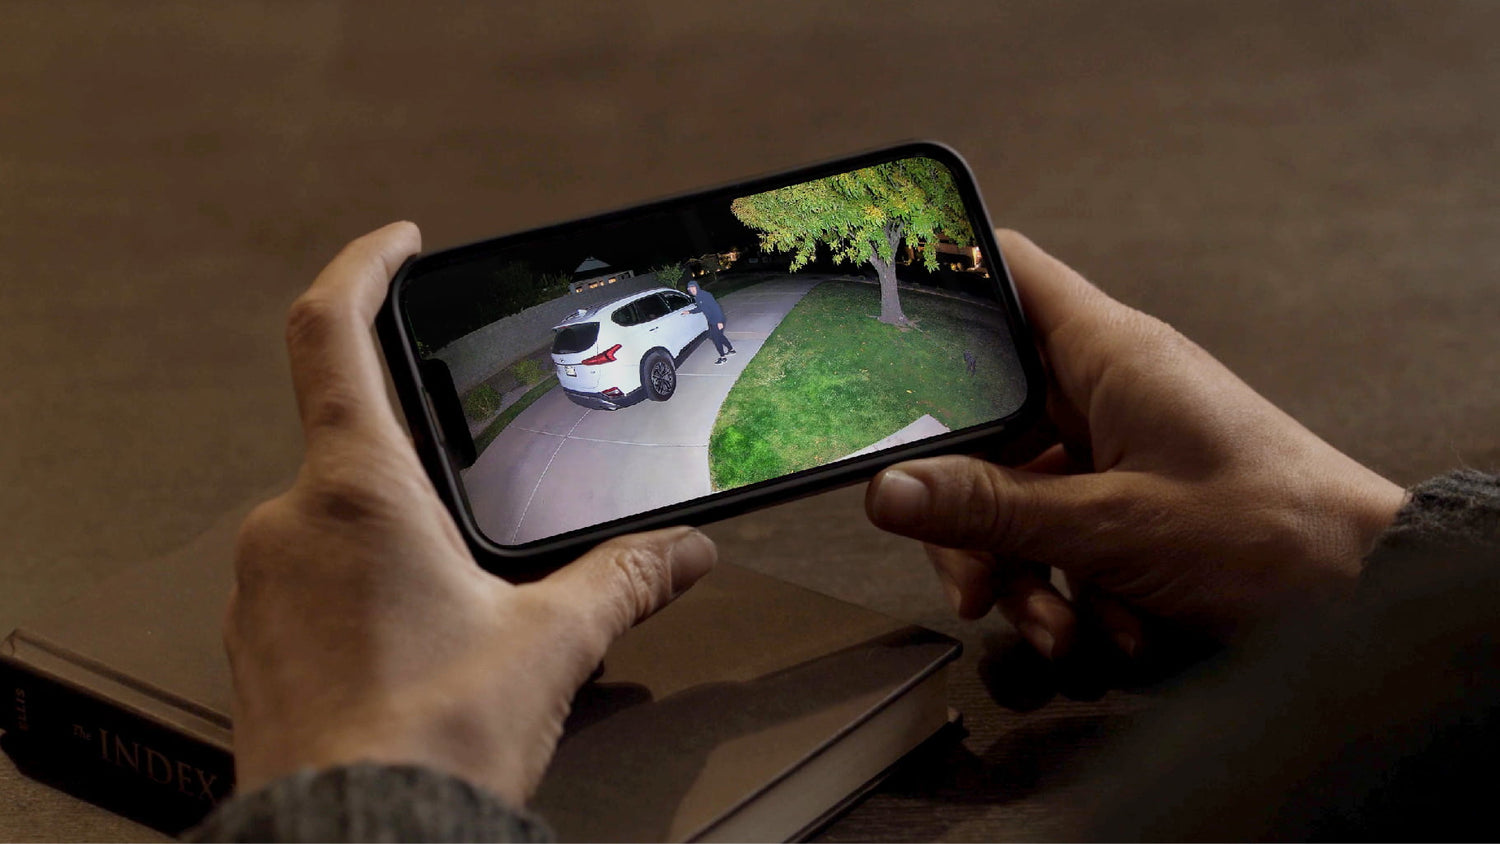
[697, 357]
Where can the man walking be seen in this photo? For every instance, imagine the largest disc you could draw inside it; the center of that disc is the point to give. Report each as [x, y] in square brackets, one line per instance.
[709, 307]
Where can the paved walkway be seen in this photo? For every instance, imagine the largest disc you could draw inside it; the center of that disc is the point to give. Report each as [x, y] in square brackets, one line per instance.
[559, 467]
[925, 427]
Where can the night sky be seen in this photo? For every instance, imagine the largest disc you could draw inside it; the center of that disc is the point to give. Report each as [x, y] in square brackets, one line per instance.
[636, 243]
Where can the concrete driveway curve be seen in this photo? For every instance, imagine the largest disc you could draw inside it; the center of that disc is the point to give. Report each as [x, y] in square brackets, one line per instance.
[559, 467]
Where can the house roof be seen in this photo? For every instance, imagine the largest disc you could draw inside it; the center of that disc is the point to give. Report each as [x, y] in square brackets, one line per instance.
[591, 264]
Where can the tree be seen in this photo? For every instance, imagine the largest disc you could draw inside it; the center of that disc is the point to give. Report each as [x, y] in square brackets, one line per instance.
[669, 274]
[862, 216]
[709, 264]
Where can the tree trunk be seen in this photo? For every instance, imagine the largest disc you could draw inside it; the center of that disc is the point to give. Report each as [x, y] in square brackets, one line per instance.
[890, 297]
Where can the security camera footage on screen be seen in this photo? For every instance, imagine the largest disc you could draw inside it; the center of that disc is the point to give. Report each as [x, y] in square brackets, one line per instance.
[669, 356]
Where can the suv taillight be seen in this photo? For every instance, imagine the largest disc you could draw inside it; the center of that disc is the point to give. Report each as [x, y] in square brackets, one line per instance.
[606, 356]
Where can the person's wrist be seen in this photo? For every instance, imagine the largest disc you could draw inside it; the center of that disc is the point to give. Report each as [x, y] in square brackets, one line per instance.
[455, 744]
[1370, 504]
[1377, 512]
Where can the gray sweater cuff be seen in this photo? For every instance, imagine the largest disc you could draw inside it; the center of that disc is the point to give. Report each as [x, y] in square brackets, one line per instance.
[369, 802]
[1446, 520]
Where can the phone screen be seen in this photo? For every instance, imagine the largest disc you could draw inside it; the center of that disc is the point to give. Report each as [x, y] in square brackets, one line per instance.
[647, 359]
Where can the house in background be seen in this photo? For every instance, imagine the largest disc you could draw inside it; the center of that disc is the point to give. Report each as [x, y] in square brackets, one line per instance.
[950, 256]
[594, 273]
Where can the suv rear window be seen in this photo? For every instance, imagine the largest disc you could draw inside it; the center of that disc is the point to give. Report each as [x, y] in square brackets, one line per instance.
[625, 316]
[575, 338]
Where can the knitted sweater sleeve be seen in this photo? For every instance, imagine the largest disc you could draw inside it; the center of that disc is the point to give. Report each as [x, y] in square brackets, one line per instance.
[1445, 524]
[369, 802]
[1377, 719]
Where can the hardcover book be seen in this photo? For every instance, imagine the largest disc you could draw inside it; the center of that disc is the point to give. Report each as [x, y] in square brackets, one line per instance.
[750, 709]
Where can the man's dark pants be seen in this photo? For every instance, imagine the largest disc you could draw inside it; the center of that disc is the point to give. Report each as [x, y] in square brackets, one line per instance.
[716, 334]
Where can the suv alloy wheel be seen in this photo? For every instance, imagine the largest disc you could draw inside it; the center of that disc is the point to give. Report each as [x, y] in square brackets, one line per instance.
[659, 376]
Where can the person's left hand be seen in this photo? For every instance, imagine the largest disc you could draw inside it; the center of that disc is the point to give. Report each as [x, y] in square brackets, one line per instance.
[361, 629]
[721, 326]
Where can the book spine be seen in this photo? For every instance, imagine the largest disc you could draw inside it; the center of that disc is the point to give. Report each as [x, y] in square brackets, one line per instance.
[70, 738]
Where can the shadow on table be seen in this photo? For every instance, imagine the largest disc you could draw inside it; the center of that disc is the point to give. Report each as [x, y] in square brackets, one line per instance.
[1042, 749]
[630, 759]
[1021, 680]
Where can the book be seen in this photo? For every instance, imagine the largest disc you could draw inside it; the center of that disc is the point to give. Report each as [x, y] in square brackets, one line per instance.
[749, 709]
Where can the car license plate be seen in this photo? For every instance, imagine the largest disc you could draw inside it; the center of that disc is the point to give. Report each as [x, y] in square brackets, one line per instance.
[570, 370]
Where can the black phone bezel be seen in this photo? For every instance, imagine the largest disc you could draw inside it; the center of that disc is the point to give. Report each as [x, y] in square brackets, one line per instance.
[537, 558]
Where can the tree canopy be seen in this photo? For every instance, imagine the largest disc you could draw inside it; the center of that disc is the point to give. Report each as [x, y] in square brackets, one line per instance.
[862, 216]
[855, 213]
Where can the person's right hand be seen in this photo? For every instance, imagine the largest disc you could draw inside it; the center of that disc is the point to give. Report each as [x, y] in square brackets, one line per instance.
[1174, 490]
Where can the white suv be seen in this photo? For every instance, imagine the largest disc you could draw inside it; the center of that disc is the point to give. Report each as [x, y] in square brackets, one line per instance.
[619, 353]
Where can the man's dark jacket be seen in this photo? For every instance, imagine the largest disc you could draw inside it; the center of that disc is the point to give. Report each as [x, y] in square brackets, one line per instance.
[709, 306]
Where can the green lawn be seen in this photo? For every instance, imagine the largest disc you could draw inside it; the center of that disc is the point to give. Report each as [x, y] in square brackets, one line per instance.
[831, 379]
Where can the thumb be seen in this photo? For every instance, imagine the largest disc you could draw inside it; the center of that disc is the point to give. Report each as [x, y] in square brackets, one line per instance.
[970, 504]
[626, 579]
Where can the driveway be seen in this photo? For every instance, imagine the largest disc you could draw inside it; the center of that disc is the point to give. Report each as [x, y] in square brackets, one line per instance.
[559, 467]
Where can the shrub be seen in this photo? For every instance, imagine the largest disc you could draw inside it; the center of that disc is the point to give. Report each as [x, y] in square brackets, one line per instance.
[553, 286]
[509, 414]
[481, 402]
[669, 274]
[529, 371]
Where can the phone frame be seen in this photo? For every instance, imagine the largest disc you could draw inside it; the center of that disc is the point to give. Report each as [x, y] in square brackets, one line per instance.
[535, 559]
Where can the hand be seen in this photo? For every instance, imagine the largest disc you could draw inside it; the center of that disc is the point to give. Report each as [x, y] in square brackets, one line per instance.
[721, 326]
[362, 629]
[1173, 489]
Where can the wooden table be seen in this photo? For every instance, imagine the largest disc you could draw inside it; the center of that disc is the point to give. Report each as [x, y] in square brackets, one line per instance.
[1308, 191]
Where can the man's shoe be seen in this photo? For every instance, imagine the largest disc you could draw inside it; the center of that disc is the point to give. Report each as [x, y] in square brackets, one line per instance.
[731, 351]
[720, 361]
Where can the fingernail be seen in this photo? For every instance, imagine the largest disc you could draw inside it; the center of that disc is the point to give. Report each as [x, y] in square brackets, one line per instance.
[692, 555]
[1049, 620]
[900, 499]
[1039, 638]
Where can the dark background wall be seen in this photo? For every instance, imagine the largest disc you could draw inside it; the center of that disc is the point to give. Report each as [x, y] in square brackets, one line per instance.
[1309, 190]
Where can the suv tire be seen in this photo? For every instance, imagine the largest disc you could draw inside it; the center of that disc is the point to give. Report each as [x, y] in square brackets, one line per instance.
[659, 376]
